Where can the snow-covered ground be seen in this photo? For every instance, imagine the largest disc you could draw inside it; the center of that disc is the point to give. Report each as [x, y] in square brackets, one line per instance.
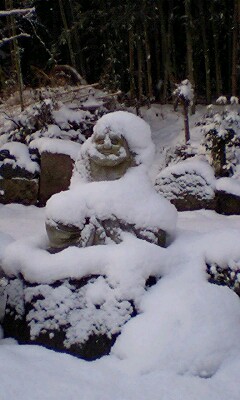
[185, 342]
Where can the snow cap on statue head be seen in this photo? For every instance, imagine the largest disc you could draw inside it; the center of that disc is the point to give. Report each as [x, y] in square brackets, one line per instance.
[135, 131]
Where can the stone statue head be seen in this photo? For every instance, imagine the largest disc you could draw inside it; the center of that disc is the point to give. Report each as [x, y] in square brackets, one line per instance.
[109, 156]
[120, 140]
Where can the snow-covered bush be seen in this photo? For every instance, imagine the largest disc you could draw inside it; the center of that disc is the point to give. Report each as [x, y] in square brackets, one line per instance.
[15, 159]
[56, 113]
[228, 276]
[221, 128]
[50, 119]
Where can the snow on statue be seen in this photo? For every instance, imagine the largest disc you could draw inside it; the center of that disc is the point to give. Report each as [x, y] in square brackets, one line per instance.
[110, 191]
[78, 299]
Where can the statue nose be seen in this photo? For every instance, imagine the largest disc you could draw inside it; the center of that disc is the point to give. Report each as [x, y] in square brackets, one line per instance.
[107, 143]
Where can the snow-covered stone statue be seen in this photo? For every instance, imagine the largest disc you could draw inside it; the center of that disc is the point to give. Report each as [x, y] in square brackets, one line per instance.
[74, 294]
[111, 192]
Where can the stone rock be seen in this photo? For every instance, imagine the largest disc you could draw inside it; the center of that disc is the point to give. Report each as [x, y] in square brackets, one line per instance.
[227, 203]
[18, 190]
[60, 316]
[187, 185]
[56, 172]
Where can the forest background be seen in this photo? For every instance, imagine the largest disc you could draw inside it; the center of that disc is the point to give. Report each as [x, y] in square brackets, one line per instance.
[141, 47]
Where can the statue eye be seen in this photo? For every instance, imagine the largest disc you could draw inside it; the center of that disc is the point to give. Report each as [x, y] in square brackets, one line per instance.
[99, 140]
[115, 140]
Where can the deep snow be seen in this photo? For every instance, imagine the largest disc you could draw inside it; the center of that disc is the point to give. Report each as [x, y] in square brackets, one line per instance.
[185, 342]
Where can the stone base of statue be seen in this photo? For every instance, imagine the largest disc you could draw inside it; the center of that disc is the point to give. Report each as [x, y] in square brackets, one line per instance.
[62, 317]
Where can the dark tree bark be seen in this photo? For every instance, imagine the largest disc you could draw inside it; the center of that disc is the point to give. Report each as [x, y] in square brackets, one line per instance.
[165, 53]
[67, 34]
[205, 50]
[218, 73]
[148, 63]
[235, 46]
[131, 62]
[189, 43]
[140, 68]
[15, 52]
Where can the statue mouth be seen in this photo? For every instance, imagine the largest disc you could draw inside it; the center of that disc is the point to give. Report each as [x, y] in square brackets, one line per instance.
[108, 159]
[110, 151]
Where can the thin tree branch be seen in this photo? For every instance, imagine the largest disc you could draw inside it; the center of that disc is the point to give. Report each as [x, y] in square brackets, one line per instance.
[19, 11]
[19, 36]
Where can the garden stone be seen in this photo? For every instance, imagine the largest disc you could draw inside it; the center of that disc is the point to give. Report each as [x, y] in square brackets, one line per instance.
[56, 172]
[188, 185]
[227, 203]
[17, 190]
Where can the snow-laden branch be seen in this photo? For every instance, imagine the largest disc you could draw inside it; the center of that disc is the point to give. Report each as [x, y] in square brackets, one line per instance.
[20, 11]
[9, 39]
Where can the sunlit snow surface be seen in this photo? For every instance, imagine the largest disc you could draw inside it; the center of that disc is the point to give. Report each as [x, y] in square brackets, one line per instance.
[183, 345]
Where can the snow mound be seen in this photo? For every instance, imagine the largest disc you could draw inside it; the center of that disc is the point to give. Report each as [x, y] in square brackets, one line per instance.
[192, 165]
[58, 146]
[228, 185]
[5, 240]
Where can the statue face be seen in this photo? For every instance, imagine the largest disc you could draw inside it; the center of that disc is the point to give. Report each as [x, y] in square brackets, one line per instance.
[109, 149]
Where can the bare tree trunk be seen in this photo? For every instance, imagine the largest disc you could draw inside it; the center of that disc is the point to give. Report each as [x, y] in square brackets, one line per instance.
[218, 74]
[165, 54]
[16, 54]
[206, 51]
[131, 62]
[171, 45]
[140, 69]
[190, 65]
[9, 33]
[148, 63]
[235, 47]
[77, 41]
[157, 54]
[67, 33]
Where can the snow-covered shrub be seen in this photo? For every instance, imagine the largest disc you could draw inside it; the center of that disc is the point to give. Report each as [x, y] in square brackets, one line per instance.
[56, 113]
[189, 185]
[229, 276]
[221, 128]
[50, 119]
[180, 152]
[15, 161]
